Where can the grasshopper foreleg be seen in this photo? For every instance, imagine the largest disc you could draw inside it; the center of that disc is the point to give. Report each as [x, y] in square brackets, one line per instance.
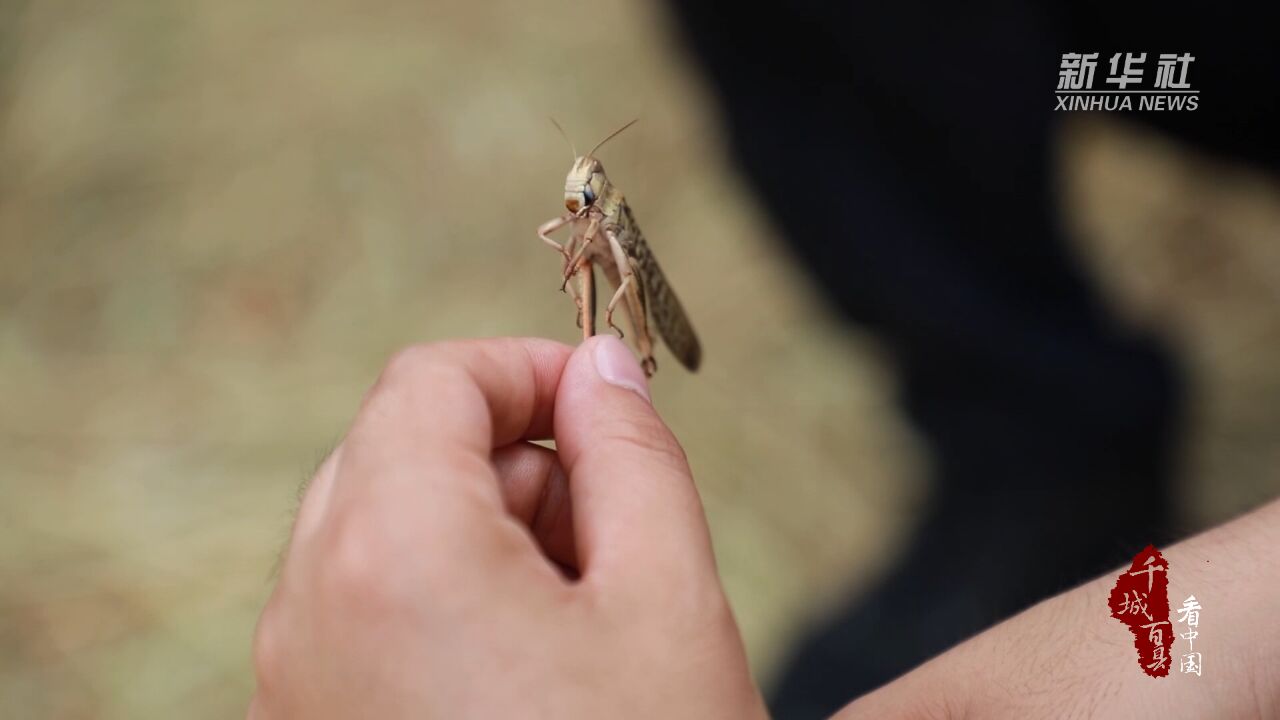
[571, 266]
[565, 250]
[552, 225]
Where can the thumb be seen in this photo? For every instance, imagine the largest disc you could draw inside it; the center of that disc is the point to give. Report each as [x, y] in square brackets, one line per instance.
[635, 508]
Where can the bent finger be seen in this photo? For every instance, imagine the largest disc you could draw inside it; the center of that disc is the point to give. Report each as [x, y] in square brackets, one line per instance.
[535, 490]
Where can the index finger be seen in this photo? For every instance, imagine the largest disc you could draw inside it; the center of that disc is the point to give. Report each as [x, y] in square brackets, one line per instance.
[438, 410]
[486, 393]
[407, 514]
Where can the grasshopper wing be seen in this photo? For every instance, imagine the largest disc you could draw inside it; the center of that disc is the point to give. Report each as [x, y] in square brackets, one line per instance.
[667, 313]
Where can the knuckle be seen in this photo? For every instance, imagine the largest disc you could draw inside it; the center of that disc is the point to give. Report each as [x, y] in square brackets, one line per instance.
[267, 651]
[694, 607]
[408, 365]
[704, 601]
[354, 575]
[412, 370]
[701, 607]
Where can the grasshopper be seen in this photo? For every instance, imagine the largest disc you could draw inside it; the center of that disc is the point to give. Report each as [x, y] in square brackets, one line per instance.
[605, 233]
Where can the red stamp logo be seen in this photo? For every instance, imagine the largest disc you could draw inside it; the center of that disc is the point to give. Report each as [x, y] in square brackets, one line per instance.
[1140, 600]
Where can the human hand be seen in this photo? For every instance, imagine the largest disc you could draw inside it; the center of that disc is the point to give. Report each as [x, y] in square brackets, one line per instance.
[421, 578]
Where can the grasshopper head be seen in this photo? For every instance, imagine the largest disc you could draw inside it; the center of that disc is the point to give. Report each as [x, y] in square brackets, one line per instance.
[584, 183]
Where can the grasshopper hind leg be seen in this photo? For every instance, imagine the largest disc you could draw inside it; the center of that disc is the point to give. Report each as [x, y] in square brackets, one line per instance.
[631, 293]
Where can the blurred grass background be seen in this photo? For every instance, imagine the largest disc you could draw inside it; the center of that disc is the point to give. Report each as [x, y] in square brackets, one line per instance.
[217, 220]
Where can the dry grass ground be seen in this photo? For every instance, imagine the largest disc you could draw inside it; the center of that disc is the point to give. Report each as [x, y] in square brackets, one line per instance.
[218, 219]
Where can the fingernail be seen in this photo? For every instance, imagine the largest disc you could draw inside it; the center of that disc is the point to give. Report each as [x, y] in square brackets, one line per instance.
[617, 366]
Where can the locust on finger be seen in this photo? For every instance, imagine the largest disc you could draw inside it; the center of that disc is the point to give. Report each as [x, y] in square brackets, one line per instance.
[605, 234]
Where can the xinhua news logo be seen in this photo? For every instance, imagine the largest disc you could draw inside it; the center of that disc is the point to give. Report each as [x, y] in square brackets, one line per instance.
[1125, 87]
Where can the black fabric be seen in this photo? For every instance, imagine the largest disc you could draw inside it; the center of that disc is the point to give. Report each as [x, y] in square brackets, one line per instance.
[908, 152]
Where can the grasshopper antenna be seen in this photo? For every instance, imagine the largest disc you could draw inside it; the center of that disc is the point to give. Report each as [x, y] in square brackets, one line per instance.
[565, 135]
[612, 135]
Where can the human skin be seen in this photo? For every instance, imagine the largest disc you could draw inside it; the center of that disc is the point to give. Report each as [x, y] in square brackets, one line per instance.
[443, 566]
[428, 572]
[1068, 658]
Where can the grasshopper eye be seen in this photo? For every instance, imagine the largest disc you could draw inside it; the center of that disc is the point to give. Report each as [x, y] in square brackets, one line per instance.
[589, 194]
